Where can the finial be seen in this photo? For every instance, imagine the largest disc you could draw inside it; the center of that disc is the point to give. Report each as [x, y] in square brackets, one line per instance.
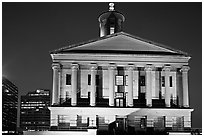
[111, 8]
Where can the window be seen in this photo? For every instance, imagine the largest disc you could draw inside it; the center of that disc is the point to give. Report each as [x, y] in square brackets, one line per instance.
[163, 81]
[119, 95]
[112, 30]
[119, 102]
[119, 81]
[142, 80]
[170, 81]
[68, 79]
[89, 79]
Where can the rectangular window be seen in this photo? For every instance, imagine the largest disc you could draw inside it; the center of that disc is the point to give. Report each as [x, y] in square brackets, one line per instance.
[68, 79]
[119, 102]
[170, 81]
[142, 80]
[119, 94]
[89, 79]
[119, 80]
[112, 30]
[163, 81]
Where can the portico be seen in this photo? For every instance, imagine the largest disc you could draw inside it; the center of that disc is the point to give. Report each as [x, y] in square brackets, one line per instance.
[127, 79]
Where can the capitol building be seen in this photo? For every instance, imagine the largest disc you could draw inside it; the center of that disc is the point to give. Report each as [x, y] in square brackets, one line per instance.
[119, 84]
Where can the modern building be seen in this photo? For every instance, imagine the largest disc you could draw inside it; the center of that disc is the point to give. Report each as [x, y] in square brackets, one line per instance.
[9, 107]
[34, 113]
[120, 84]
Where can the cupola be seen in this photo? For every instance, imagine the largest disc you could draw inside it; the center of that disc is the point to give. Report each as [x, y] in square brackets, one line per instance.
[111, 21]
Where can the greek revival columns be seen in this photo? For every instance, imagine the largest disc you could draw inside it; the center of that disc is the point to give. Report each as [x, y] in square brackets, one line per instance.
[166, 70]
[93, 85]
[56, 83]
[184, 71]
[130, 85]
[74, 84]
[148, 70]
[111, 70]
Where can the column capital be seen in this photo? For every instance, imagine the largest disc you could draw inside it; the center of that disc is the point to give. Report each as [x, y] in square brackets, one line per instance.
[93, 66]
[75, 66]
[112, 67]
[148, 68]
[166, 68]
[56, 65]
[130, 67]
[185, 69]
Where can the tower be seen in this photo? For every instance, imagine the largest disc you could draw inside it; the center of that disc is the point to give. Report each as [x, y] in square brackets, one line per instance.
[111, 21]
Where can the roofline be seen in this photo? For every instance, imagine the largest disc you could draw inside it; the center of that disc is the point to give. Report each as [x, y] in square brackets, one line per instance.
[116, 34]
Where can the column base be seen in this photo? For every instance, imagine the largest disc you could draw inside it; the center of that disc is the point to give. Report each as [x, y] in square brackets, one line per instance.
[92, 105]
[111, 105]
[130, 105]
[168, 105]
[73, 104]
[186, 106]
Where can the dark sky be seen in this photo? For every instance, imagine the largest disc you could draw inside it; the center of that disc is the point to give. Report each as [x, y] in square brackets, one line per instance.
[31, 30]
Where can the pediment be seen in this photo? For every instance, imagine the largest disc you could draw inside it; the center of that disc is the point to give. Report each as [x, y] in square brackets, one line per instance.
[120, 43]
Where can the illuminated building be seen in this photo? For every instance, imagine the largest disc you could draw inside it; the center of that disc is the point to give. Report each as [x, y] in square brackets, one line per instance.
[9, 106]
[35, 115]
[120, 84]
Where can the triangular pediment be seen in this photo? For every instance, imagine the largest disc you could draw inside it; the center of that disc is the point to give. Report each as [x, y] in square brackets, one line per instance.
[120, 43]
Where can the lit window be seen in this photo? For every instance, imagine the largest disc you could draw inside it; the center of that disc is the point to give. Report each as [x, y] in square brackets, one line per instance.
[112, 30]
[119, 80]
[68, 79]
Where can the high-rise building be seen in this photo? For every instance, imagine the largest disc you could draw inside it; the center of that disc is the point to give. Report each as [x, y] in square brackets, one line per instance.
[9, 107]
[120, 84]
[34, 113]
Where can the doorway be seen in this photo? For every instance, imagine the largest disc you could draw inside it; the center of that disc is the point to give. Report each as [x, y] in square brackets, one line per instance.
[120, 125]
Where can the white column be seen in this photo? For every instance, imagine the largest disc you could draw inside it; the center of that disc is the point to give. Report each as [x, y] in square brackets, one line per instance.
[111, 70]
[184, 71]
[130, 86]
[93, 85]
[135, 83]
[153, 84]
[55, 99]
[148, 84]
[174, 93]
[74, 84]
[166, 70]
[59, 84]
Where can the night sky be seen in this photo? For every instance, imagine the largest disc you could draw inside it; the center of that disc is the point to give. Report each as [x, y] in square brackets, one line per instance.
[31, 30]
